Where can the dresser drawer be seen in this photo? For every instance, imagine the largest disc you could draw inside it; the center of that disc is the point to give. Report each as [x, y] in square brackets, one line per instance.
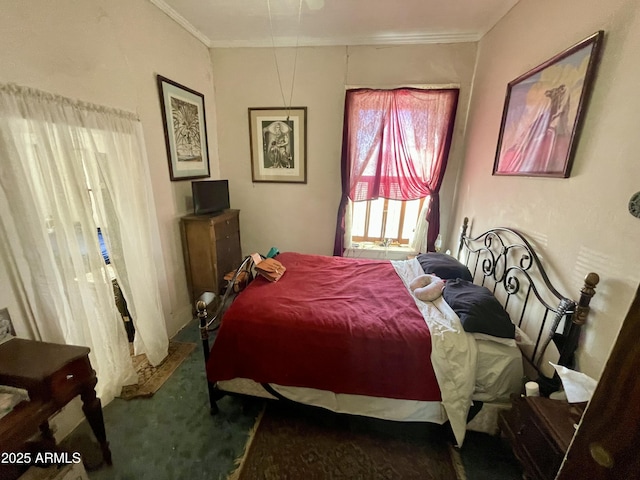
[211, 248]
[227, 227]
[228, 256]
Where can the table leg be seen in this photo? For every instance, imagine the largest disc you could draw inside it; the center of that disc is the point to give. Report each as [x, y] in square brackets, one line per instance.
[92, 409]
[45, 431]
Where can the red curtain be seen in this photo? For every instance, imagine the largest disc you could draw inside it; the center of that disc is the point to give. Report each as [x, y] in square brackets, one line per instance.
[395, 145]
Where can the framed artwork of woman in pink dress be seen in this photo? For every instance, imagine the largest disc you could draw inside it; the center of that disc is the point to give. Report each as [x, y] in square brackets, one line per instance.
[543, 112]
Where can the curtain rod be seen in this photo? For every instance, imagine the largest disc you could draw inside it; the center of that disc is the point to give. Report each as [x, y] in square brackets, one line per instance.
[433, 86]
[43, 96]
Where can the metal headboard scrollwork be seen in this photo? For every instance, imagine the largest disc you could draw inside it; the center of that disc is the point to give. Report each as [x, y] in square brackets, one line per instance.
[503, 260]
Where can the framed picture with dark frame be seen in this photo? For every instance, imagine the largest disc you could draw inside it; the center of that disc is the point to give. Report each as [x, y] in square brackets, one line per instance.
[543, 112]
[278, 138]
[185, 130]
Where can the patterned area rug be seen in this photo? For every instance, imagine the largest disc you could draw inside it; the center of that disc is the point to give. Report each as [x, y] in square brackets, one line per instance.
[293, 443]
[151, 378]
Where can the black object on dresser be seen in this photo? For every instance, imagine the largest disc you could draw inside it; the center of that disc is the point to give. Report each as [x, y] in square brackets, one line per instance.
[540, 430]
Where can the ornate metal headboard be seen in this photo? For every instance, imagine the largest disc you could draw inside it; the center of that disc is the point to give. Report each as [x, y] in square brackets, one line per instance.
[504, 261]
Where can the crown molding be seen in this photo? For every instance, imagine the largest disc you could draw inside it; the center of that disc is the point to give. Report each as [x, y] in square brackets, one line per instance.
[406, 39]
[384, 39]
[180, 20]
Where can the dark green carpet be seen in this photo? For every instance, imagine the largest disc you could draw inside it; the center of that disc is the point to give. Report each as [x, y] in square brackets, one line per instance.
[172, 436]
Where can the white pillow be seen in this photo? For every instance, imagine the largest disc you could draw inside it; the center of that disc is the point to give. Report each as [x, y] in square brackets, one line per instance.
[510, 342]
[521, 338]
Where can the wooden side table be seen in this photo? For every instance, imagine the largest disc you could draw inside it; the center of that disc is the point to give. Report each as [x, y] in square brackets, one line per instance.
[53, 375]
[540, 430]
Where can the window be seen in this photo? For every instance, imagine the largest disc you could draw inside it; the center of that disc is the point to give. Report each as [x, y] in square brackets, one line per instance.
[383, 219]
[395, 150]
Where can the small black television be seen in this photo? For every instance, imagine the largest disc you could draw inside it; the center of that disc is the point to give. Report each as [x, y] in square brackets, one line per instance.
[210, 196]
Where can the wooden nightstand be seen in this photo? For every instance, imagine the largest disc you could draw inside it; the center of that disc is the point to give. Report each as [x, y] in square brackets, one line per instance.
[540, 430]
[53, 375]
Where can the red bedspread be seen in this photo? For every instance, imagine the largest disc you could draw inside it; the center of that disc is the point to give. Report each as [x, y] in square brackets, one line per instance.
[339, 324]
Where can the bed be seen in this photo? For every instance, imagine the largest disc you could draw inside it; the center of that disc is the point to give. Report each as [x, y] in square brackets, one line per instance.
[350, 335]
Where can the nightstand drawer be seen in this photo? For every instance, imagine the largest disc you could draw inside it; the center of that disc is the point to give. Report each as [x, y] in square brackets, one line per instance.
[539, 430]
[539, 449]
[66, 382]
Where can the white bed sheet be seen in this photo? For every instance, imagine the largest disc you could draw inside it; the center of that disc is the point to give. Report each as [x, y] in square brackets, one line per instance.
[499, 372]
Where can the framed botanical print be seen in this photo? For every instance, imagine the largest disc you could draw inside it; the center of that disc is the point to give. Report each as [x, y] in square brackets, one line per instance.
[278, 138]
[185, 130]
[543, 112]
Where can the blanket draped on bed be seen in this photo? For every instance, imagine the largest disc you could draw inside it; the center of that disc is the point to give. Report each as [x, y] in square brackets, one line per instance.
[454, 354]
[342, 325]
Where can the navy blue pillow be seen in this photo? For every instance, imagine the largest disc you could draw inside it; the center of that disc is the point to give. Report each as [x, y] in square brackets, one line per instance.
[444, 266]
[478, 309]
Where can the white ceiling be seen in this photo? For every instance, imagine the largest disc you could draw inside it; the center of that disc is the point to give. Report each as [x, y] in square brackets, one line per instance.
[250, 23]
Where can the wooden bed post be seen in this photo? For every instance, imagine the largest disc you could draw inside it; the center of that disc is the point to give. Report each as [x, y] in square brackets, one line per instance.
[201, 308]
[572, 330]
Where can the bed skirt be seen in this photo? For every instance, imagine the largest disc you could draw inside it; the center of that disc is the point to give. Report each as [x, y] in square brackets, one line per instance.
[485, 421]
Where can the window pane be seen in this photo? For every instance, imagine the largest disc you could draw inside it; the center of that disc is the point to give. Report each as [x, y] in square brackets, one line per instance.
[411, 212]
[375, 218]
[394, 209]
[359, 218]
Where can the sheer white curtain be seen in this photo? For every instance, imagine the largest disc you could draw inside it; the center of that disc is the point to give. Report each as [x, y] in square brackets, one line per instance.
[66, 169]
[418, 241]
[348, 221]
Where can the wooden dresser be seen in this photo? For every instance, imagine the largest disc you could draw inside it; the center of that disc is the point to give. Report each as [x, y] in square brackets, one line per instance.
[540, 430]
[211, 246]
